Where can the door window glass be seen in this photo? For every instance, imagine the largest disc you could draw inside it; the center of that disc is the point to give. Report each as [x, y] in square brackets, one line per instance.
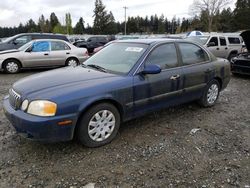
[234, 40]
[41, 46]
[223, 41]
[57, 46]
[165, 56]
[22, 40]
[192, 54]
[215, 40]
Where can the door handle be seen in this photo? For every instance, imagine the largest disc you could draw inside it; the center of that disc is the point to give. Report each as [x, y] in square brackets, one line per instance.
[46, 54]
[208, 70]
[226, 48]
[175, 77]
[217, 48]
[67, 53]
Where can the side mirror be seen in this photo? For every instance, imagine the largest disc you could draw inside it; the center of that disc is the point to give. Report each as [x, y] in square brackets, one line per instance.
[151, 69]
[29, 49]
[211, 44]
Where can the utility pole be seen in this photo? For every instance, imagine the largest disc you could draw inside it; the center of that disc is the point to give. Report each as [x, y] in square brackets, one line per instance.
[125, 29]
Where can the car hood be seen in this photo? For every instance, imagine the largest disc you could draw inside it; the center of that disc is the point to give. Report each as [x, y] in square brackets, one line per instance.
[8, 51]
[246, 37]
[60, 79]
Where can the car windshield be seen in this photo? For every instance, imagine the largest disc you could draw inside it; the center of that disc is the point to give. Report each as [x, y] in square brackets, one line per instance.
[200, 39]
[24, 47]
[8, 39]
[118, 58]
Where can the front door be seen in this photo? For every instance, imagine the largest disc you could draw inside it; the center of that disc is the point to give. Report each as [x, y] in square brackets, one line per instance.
[155, 91]
[38, 56]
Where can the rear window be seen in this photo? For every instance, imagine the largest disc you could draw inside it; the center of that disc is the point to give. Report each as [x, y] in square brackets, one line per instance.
[234, 40]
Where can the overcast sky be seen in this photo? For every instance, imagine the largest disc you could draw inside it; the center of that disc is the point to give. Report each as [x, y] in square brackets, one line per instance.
[12, 12]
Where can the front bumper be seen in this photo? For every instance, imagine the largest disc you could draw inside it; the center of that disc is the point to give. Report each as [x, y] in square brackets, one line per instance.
[45, 129]
[240, 69]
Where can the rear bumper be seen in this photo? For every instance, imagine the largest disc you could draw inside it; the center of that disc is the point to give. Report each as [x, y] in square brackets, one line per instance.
[45, 129]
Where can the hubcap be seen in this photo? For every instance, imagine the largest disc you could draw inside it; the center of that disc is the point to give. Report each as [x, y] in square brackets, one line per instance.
[212, 94]
[72, 63]
[101, 125]
[12, 67]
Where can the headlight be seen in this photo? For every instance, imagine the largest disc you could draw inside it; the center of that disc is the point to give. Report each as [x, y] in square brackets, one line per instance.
[42, 108]
[25, 105]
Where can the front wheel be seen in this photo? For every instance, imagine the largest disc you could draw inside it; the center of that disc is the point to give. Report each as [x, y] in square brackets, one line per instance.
[211, 94]
[99, 125]
[11, 66]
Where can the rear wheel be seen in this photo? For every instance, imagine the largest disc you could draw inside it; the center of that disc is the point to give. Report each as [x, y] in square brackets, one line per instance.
[231, 56]
[72, 62]
[11, 66]
[211, 94]
[99, 125]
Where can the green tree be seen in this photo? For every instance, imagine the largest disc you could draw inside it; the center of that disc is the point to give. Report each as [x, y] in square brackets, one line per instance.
[53, 20]
[59, 29]
[101, 18]
[31, 26]
[68, 22]
[241, 14]
[42, 24]
[79, 28]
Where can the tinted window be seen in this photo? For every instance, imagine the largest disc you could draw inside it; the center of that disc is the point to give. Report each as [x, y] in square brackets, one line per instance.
[22, 40]
[234, 40]
[192, 54]
[215, 40]
[57, 46]
[165, 56]
[223, 41]
[41, 46]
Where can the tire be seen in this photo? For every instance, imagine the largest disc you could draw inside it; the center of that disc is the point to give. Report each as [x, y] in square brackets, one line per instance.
[99, 125]
[210, 94]
[72, 62]
[231, 56]
[11, 66]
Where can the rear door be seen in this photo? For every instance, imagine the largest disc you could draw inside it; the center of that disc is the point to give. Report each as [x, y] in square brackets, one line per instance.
[223, 47]
[39, 55]
[59, 52]
[197, 69]
[154, 91]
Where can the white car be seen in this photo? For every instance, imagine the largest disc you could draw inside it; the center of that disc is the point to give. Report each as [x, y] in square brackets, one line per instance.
[42, 53]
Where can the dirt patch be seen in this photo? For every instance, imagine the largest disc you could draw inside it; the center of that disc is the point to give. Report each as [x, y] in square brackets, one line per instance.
[185, 146]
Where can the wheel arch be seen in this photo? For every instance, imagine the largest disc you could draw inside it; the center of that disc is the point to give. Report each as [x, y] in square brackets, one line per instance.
[72, 57]
[85, 108]
[12, 58]
[220, 81]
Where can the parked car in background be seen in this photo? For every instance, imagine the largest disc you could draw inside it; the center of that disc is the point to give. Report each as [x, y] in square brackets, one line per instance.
[123, 81]
[92, 43]
[220, 45]
[241, 63]
[42, 53]
[19, 40]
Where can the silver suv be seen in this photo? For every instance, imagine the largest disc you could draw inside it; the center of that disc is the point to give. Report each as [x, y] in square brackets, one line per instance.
[221, 45]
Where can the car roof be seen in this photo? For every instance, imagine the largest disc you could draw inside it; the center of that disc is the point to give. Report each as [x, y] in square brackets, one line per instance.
[50, 34]
[148, 41]
[50, 40]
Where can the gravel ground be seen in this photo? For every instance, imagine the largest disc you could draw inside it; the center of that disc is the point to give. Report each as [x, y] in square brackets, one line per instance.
[185, 146]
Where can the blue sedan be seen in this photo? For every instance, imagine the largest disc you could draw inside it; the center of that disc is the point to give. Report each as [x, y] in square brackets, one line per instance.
[125, 80]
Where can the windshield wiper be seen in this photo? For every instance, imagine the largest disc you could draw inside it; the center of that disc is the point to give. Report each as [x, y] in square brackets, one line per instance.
[97, 67]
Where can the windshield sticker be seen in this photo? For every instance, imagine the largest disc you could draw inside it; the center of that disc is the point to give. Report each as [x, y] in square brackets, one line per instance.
[134, 49]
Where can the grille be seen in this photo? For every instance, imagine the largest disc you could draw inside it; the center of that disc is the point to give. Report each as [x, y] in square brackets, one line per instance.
[15, 99]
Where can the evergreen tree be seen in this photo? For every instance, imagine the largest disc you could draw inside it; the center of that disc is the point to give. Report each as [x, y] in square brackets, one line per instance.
[101, 18]
[79, 28]
[53, 20]
[42, 24]
[241, 14]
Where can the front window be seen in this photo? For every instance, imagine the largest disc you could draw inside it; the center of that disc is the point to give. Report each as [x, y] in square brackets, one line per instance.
[118, 57]
[164, 56]
[22, 40]
[41, 46]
